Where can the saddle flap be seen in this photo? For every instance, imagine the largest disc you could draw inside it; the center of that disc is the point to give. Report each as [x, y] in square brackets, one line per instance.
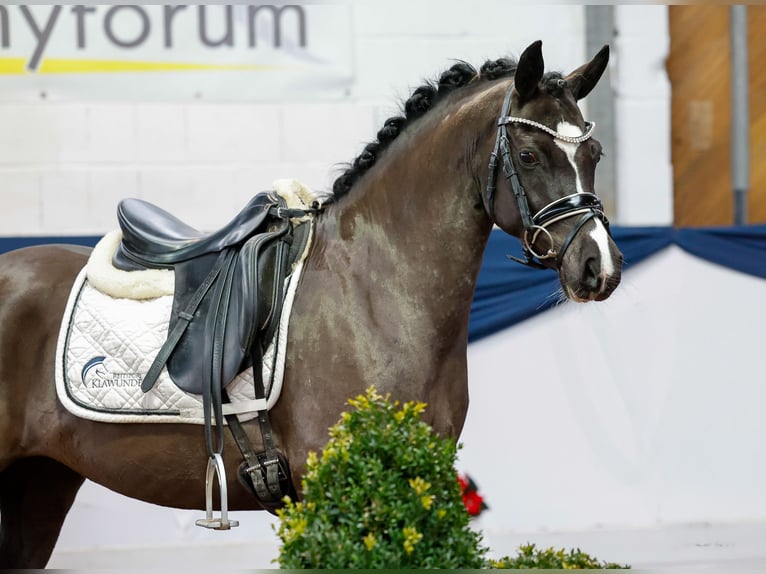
[229, 320]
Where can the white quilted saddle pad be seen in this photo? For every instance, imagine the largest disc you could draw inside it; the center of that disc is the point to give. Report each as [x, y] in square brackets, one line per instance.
[106, 344]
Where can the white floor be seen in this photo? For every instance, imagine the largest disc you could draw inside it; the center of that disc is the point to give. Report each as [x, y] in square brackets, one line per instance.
[142, 536]
[671, 547]
[717, 547]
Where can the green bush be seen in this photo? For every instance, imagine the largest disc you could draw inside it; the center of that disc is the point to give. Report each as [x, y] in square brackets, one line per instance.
[383, 494]
[529, 556]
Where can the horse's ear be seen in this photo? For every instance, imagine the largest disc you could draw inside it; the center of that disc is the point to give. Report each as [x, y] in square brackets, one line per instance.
[529, 71]
[585, 78]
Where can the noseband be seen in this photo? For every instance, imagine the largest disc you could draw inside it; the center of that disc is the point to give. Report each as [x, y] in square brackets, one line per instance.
[587, 205]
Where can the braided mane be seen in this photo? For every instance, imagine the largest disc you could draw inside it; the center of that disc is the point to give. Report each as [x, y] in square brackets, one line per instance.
[423, 99]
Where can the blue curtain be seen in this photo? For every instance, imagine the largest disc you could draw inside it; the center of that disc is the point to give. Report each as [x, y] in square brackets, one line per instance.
[507, 293]
[11, 243]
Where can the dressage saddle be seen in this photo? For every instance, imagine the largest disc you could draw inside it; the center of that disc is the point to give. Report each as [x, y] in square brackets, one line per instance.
[228, 284]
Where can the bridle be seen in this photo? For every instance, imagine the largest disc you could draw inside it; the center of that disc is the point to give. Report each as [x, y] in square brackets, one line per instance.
[587, 205]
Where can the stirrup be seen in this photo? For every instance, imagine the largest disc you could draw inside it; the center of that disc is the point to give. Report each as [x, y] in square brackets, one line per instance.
[215, 467]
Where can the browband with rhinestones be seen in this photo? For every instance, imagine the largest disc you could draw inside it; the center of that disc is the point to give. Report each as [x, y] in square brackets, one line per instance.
[590, 126]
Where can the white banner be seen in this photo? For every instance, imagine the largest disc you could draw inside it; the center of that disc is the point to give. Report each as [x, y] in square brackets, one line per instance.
[174, 52]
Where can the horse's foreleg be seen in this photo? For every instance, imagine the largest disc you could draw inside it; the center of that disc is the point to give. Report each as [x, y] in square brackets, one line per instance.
[35, 496]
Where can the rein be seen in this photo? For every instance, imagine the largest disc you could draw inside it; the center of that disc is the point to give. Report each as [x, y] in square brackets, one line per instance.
[588, 205]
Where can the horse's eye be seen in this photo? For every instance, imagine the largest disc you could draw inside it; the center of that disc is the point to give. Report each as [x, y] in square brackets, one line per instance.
[528, 157]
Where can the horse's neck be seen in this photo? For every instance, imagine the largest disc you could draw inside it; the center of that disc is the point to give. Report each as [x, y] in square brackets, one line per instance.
[387, 289]
[414, 226]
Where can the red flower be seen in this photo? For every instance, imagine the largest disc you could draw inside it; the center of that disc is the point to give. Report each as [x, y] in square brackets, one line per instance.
[472, 500]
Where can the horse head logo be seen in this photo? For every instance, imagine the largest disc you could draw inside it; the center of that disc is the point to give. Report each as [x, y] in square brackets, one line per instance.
[94, 368]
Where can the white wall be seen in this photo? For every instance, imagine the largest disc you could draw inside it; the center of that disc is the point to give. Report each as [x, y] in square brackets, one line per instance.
[64, 166]
[642, 115]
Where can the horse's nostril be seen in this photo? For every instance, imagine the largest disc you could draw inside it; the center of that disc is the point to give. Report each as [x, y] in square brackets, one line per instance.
[590, 275]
